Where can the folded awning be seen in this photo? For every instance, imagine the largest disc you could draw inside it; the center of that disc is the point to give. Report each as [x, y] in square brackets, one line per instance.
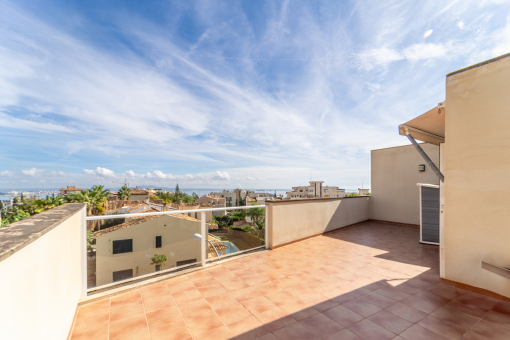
[428, 127]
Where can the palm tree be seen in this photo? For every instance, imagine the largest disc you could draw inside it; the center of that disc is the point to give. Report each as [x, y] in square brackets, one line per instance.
[255, 213]
[95, 198]
[124, 193]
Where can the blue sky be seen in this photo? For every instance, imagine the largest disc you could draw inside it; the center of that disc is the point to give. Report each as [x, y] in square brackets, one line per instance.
[221, 94]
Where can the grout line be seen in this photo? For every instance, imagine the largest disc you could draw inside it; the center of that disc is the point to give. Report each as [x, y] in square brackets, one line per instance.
[144, 313]
[183, 319]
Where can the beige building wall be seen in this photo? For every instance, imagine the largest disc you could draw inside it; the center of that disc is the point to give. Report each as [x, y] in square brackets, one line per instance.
[293, 220]
[394, 194]
[477, 175]
[178, 244]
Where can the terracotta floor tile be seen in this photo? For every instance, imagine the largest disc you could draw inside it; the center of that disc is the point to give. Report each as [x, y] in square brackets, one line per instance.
[344, 334]
[91, 332]
[212, 290]
[299, 310]
[244, 294]
[361, 307]
[267, 288]
[154, 294]
[419, 333]
[83, 321]
[234, 266]
[296, 331]
[286, 282]
[180, 286]
[378, 300]
[234, 284]
[281, 298]
[275, 319]
[407, 312]
[425, 304]
[502, 307]
[163, 316]
[392, 293]
[233, 313]
[127, 326]
[258, 305]
[369, 330]
[164, 302]
[193, 308]
[125, 311]
[319, 302]
[299, 291]
[221, 333]
[408, 289]
[144, 335]
[491, 331]
[442, 327]
[247, 329]
[497, 318]
[221, 301]
[187, 296]
[204, 281]
[269, 336]
[199, 274]
[448, 292]
[225, 277]
[472, 310]
[204, 323]
[320, 325]
[454, 316]
[95, 306]
[342, 315]
[172, 331]
[390, 321]
[254, 279]
[126, 298]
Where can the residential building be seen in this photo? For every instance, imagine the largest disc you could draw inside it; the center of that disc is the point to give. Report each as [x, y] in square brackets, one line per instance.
[71, 189]
[215, 201]
[315, 189]
[231, 197]
[363, 192]
[124, 250]
[136, 194]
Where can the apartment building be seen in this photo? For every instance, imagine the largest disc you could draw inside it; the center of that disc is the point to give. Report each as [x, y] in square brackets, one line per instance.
[315, 189]
[232, 197]
[71, 189]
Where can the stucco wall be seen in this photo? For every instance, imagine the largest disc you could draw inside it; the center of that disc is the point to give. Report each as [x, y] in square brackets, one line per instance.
[41, 284]
[178, 244]
[395, 196]
[477, 175]
[298, 219]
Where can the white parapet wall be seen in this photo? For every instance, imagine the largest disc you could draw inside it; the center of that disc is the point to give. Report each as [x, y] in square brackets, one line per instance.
[294, 220]
[43, 273]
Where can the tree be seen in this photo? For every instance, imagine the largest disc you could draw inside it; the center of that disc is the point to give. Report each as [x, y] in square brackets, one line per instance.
[195, 196]
[124, 193]
[275, 193]
[15, 200]
[22, 198]
[1, 205]
[159, 260]
[90, 240]
[352, 194]
[95, 198]
[177, 191]
[255, 213]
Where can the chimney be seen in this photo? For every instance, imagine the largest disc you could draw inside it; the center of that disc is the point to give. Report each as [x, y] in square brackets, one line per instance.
[165, 206]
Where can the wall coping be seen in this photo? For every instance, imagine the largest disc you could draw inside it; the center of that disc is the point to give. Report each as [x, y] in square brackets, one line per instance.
[301, 200]
[18, 235]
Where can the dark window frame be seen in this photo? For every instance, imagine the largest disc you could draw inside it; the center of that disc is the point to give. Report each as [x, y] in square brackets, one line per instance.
[159, 241]
[122, 246]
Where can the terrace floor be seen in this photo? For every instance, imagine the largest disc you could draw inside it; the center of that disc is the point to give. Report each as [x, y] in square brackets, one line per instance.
[370, 281]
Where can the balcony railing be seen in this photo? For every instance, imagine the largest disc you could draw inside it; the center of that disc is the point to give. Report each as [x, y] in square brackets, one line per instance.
[125, 244]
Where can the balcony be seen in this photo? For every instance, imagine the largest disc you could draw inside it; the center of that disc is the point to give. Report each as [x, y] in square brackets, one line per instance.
[330, 273]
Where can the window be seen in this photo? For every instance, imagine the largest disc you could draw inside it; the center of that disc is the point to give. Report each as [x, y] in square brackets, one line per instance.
[122, 246]
[158, 241]
[195, 216]
[122, 275]
[182, 263]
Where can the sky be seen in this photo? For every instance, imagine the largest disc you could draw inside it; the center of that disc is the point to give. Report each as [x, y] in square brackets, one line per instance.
[224, 94]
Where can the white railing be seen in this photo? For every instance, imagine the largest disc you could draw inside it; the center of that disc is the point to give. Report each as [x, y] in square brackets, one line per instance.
[203, 240]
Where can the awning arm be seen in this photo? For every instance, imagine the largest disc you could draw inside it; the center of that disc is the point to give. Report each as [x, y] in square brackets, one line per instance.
[425, 157]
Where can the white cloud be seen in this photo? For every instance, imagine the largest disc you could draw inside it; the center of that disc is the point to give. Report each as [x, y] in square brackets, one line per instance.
[100, 172]
[7, 173]
[32, 172]
[460, 24]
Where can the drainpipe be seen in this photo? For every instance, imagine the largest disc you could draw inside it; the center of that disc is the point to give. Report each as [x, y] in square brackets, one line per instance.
[425, 157]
